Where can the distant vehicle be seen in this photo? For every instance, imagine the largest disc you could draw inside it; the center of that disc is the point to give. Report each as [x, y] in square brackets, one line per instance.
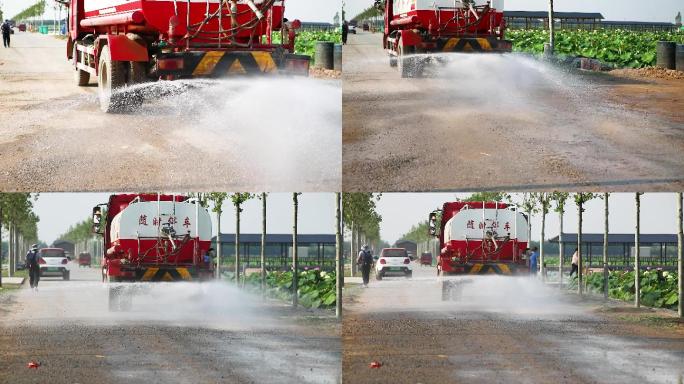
[84, 259]
[53, 262]
[352, 29]
[426, 258]
[21, 27]
[21, 265]
[393, 261]
[366, 27]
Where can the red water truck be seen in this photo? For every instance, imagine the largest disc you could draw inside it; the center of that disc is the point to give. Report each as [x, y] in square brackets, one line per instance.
[152, 238]
[126, 42]
[426, 27]
[478, 238]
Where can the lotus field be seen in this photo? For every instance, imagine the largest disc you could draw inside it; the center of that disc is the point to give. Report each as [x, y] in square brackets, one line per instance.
[316, 288]
[617, 47]
[306, 40]
[658, 288]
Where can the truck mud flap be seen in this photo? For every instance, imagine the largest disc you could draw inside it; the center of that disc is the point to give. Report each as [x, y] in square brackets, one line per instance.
[217, 64]
[474, 45]
[164, 274]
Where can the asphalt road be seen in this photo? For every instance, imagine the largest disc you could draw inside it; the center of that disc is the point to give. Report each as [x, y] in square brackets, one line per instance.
[174, 333]
[502, 330]
[508, 122]
[277, 134]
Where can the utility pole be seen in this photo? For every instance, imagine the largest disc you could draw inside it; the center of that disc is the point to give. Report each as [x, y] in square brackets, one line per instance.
[339, 264]
[551, 28]
[680, 256]
[637, 259]
[1, 229]
[295, 260]
[579, 248]
[605, 246]
[263, 241]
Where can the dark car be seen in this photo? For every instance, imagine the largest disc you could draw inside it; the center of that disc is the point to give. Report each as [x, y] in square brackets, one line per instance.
[84, 259]
[426, 258]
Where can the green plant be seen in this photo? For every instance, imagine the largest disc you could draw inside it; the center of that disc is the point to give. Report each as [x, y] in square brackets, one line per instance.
[305, 44]
[316, 288]
[619, 47]
[658, 288]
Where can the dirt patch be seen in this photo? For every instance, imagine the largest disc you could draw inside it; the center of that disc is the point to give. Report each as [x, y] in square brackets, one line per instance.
[649, 73]
[320, 73]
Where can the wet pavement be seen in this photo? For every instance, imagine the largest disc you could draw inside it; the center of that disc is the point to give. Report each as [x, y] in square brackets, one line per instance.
[277, 134]
[500, 330]
[505, 122]
[174, 333]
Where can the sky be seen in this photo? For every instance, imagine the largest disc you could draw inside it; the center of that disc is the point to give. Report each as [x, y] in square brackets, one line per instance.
[58, 211]
[632, 10]
[304, 10]
[400, 211]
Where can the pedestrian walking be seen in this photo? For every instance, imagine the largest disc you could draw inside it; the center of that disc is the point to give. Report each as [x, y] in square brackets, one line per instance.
[533, 261]
[33, 266]
[575, 263]
[345, 32]
[6, 32]
[365, 260]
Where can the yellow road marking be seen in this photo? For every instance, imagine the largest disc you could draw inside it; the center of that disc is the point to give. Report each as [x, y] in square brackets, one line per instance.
[475, 269]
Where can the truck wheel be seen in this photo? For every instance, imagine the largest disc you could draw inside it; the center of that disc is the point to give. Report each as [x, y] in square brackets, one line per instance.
[111, 78]
[82, 77]
[406, 64]
[115, 299]
[392, 61]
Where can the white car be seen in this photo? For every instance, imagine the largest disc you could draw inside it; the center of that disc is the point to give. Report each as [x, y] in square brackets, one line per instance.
[53, 262]
[393, 261]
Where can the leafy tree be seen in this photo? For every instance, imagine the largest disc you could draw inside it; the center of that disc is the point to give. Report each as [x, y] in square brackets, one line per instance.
[560, 198]
[238, 199]
[580, 200]
[488, 196]
[36, 10]
[217, 198]
[361, 218]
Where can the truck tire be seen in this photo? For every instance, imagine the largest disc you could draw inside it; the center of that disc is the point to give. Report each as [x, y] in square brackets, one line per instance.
[82, 77]
[405, 64]
[392, 61]
[111, 78]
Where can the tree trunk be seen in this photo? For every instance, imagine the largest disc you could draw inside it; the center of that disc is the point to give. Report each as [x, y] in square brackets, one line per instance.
[551, 26]
[605, 247]
[637, 258]
[218, 244]
[1, 247]
[12, 250]
[295, 261]
[339, 265]
[560, 251]
[680, 256]
[579, 249]
[541, 246]
[263, 241]
[352, 255]
[237, 244]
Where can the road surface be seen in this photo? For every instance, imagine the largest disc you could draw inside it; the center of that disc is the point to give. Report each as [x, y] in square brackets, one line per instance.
[241, 134]
[174, 333]
[502, 330]
[485, 122]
